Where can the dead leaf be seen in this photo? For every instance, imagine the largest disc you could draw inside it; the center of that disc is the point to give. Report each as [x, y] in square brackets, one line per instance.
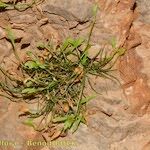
[79, 71]
[65, 107]
[56, 134]
[56, 131]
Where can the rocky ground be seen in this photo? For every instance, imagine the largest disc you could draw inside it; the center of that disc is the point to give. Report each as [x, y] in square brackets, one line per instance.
[119, 119]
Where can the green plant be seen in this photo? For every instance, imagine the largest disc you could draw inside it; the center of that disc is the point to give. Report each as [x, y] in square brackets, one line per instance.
[3, 5]
[20, 6]
[56, 82]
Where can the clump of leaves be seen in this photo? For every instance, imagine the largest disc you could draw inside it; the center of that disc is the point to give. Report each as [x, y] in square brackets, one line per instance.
[18, 5]
[3, 5]
[56, 83]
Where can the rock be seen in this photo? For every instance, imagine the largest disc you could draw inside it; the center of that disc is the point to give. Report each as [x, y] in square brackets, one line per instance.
[33, 35]
[4, 20]
[50, 33]
[5, 49]
[4, 103]
[93, 51]
[42, 22]
[22, 17]
[2, 33]
[27, 39]
[23, 133]
[146, 146]
[144, 9]
[79, 10]
[136, 73]
[18, 34]
[110, 124]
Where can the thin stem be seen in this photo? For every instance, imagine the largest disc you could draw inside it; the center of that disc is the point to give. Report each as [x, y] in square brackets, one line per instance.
[80, 96]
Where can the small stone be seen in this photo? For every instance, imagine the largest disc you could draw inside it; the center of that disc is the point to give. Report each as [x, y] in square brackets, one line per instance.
[93, 51]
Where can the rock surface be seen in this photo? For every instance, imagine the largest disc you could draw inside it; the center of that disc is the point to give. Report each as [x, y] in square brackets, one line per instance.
[119, 119]
[79, 10]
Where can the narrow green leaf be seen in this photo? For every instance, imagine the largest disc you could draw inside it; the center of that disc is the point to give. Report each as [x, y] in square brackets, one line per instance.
[3, 5]
[40, 45]
[32, 55]
[84, 58]
[60, 119]
[32, 90]
[83, 120]
[113, 43]
[76, 42]
[121, 51]
[10, 35]
[52, 84]
[28, 83]
[31, 64]
[66, 43]
[29, 53]
[76, 124]
[87, 99]
[69, 122]
[29, 91]
[95, 9]
[29, 122]
[41, 65]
